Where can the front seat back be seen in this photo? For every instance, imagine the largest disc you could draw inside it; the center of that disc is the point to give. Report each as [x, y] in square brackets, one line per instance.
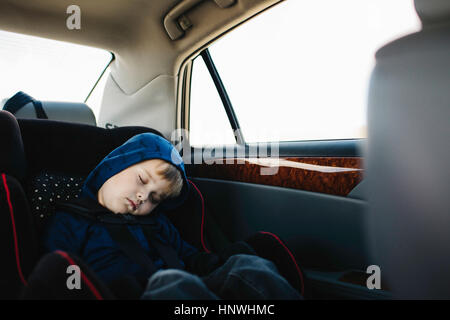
[408, 154]
[26, 107]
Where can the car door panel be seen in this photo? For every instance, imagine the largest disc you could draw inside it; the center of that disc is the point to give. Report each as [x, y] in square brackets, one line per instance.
[308, 202]
[325, 232]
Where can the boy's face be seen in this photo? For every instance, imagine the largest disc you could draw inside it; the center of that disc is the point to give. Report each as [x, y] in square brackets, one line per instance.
[137, 189]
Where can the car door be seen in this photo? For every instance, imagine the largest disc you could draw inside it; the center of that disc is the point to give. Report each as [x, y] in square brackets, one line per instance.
[273, 118]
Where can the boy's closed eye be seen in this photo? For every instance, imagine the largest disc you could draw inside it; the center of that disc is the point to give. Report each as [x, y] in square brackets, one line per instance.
[152, 196]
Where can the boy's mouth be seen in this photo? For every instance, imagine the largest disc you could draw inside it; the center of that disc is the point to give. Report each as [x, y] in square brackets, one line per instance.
[132, 204]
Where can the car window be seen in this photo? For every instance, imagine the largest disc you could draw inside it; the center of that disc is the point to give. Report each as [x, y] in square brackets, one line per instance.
[207, 119]
[300, 70]
[48, 69]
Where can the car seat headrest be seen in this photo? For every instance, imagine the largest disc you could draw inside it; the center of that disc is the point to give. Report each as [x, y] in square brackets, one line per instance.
[12, 159]
[407, 163]
[433, 11]
[26, 107]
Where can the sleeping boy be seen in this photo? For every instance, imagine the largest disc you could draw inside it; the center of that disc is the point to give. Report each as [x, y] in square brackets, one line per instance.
[118, 228]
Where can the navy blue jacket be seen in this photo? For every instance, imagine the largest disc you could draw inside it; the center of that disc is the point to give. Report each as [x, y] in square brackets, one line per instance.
[90, 240]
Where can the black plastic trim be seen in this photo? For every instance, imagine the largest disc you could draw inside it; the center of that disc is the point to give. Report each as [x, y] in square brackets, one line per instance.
[223, 94]
[324, 148]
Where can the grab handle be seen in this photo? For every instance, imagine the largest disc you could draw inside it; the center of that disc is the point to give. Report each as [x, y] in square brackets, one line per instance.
[174, 21]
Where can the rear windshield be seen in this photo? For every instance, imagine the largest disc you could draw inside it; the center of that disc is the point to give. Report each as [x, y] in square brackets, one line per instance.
[48, 69]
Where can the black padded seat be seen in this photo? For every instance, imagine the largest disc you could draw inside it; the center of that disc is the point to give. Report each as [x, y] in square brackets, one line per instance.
[17, 232]
[46, 189]
[70, 148]
[12, 161]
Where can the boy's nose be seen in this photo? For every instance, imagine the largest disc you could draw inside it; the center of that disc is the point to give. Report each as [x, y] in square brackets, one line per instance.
[141, 197]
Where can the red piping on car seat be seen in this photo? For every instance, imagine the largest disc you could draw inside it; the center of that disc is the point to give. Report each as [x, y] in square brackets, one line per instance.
[292, 258]
[203, 217]
[83, 276]
[16, 246]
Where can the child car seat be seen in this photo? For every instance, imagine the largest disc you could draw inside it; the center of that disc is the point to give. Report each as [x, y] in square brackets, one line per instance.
[56, 173]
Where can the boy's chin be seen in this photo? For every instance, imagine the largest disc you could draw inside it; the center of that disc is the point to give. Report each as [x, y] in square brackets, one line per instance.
[139, 213]
[129, 211]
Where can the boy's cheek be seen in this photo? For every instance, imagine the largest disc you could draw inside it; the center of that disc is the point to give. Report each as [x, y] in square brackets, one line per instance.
[146, 210]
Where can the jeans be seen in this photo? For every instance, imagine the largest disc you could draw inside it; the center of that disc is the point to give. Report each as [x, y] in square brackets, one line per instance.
[240, 277]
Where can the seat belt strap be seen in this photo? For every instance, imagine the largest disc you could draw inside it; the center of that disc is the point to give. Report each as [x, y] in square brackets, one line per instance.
[123, 237]
[130, 246]
[40, 113]
[165, 251]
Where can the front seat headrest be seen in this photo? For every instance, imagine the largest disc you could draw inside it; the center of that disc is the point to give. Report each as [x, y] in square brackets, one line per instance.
[26, 107]
[408, 173]
[12, 159]
[433, 11]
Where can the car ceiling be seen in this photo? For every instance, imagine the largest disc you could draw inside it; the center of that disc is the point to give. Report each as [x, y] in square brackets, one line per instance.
[132, 29]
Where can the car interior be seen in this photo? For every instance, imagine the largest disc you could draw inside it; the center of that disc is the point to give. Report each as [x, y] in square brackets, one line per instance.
[338, 205]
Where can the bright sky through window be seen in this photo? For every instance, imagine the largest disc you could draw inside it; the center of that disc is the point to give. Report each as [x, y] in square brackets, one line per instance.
[301, 70]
